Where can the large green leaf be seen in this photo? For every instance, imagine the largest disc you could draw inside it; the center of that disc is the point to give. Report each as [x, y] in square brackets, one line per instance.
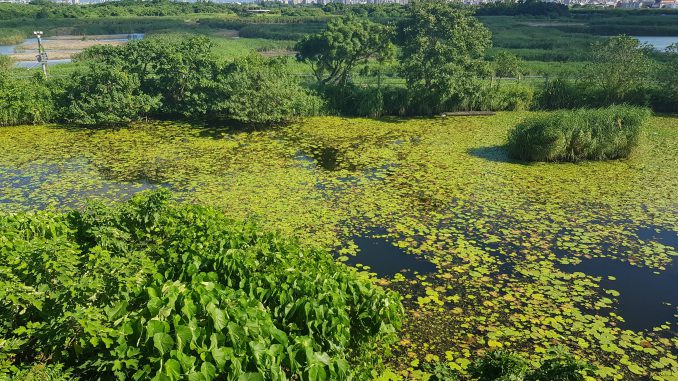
[173, 369]
[163, 342]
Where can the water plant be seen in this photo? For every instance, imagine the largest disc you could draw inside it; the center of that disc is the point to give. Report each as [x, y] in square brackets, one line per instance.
[584, 134]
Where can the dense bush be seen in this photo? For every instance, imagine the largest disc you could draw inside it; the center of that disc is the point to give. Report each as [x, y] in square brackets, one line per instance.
[178, 69]
[25, 100]
[257, 90]
[104, 94]
[152, 289]
[167, 78]
[367, 101]
[515, 97]
[584, 134]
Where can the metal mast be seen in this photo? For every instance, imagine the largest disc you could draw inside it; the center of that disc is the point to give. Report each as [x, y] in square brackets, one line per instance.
[42, 54]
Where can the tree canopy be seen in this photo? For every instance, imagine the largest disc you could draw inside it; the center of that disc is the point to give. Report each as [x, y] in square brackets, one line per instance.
[619, 66]
[260, 91]
[346, 42]
[443, 50]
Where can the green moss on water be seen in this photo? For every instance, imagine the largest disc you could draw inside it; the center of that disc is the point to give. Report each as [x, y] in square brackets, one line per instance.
[497, 229]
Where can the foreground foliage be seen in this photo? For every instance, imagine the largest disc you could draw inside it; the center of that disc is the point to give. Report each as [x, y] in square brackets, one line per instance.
[584, 134]
[152, 289]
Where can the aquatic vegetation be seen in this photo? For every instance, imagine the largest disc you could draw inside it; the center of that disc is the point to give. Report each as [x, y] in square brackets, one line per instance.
[152, 289]
[584, 134]
[509, 241]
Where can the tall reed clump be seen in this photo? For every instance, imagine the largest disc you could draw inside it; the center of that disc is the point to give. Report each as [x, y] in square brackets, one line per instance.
[575, 135]
[11, 37]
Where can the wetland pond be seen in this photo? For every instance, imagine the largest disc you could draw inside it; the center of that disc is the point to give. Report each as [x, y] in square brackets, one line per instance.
[485, 251]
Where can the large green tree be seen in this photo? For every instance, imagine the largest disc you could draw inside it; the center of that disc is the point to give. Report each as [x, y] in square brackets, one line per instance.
[443, 50]
[619, 66]
[346, 43]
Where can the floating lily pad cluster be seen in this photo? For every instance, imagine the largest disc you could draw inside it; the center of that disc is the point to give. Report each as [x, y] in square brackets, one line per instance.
[500, 232]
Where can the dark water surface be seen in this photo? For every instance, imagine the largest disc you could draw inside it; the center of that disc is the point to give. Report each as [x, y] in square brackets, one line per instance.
[386, 259]
[646, 299]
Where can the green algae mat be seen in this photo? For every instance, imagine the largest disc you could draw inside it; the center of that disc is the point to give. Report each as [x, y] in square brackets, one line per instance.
[487, 252]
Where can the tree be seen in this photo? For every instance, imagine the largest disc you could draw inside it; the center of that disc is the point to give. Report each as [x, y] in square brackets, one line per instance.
[507, 65]
[347, 42]
[257, 90]
[443, 49]
[618, 67]
[104, 94]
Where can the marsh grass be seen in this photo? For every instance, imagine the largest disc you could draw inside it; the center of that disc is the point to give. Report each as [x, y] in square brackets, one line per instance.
[11, 37]
[575, 135]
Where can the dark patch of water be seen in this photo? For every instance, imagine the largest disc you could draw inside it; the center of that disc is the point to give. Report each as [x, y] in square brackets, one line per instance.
[646, 299]
[386, 259]
[33, 177]
[658, 234]
[327, 158]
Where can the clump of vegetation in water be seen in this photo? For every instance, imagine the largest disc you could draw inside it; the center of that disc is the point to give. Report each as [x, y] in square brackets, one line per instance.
[152, 289]
[575, 135]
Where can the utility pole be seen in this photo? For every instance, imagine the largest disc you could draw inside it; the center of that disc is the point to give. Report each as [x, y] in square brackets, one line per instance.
[42, 54]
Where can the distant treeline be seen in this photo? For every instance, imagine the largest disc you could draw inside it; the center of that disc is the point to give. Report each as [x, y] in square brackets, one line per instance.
[528, 7]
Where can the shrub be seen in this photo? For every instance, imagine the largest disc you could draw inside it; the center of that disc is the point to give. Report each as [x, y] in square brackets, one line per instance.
[25, 101]
[5, 64]
[561, 93]
[560, 365]
[104, 94]
[516, 97]
[499, 366]
[258, 90]
[584, 134]
[153, 289]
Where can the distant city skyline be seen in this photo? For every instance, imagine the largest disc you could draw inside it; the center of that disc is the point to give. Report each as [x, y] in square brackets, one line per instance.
[627, 4]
